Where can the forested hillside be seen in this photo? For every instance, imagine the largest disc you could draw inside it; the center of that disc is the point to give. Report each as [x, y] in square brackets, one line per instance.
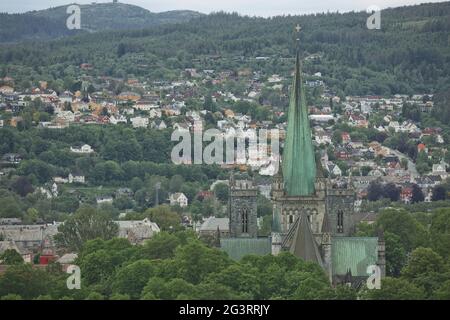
[410, 53]
[51, 23]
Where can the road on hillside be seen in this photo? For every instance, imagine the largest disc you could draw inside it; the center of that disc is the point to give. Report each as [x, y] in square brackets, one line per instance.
[411, 165]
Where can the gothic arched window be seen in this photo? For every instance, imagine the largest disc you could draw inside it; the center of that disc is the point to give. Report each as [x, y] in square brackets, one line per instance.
[340, 222]
[245, 221]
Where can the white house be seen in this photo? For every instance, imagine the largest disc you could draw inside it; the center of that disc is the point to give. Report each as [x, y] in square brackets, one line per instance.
[179, 199]
[60, 180]
[155, 113]
[66, 96]
[321, 117]
[322, 138]
[439, 169]
[104, 199]
[181, 126]
[119, 119]
[137, 231]
[274, 78]
[194, 115]
[85, 149]
[76, 179]
[139, 122]
[144, 106]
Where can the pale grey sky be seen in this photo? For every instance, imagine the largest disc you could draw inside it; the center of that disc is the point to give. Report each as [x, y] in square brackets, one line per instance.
[250, 7]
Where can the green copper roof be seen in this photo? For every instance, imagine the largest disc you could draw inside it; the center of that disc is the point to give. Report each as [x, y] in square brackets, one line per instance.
[355, 253]
[299, 164]
[237, 248]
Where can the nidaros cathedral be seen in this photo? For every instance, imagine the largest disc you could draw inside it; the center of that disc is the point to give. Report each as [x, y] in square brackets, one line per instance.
[313, 218]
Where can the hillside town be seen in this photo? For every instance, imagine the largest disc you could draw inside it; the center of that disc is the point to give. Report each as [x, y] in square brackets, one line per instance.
[349, 133]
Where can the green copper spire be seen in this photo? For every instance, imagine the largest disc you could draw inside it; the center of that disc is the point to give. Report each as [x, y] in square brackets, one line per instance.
[299, 164]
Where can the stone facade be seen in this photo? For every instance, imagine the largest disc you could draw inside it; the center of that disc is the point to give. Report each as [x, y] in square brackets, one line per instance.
[242, 209]
[337, 202]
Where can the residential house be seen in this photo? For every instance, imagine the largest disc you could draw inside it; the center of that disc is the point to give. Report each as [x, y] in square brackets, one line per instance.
[11, 158]
[10, 221]
[104, 199]
[346, 137]
[137, 232]
[6, 90]
[158, 125]
[119, 119]
[145, 106]
[375, 173]
[179, 199]
[67, 260]
[406, 194]
[30, 238]
[76, 178]
[334, 169]
[139, 122]
[124, 192]
[439, 169]
[129, 96]
[322, 138]
[342, 154]
[155, 113]
[229, 113]
[84, 149]
[181, 126]
[66, 97]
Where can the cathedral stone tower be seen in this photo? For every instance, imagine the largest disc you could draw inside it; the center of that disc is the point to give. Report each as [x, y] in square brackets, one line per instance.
[312, 215]
[242, 208]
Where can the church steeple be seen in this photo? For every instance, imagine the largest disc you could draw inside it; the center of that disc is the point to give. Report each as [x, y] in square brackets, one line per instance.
[299, 165]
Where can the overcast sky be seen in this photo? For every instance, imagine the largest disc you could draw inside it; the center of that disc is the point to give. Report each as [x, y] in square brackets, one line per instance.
[249, 7]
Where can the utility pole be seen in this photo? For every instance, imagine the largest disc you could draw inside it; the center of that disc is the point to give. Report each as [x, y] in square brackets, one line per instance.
[157, 188]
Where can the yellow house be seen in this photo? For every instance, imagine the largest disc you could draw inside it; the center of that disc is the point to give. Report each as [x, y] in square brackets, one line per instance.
[229, 113]
[15, 121]
[6, 89]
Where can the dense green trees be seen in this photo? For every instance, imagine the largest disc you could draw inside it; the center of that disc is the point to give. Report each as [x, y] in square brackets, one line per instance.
[221, 192]
[377, 191]
[47, 154]
[399, 222]
[395, 289]
[24, 281]
[178, 266]
[86, 224]
[349, 54]
[416, 254]
[427, 270]
[11, 257]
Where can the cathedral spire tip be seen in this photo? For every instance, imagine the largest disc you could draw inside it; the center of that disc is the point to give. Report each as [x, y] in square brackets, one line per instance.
[298, 28]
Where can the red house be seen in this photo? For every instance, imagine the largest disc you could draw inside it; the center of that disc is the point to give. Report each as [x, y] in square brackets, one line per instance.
[406, 194]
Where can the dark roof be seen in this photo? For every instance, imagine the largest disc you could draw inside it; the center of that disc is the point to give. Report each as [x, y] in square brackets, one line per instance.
[303, 245]
[326, 227]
